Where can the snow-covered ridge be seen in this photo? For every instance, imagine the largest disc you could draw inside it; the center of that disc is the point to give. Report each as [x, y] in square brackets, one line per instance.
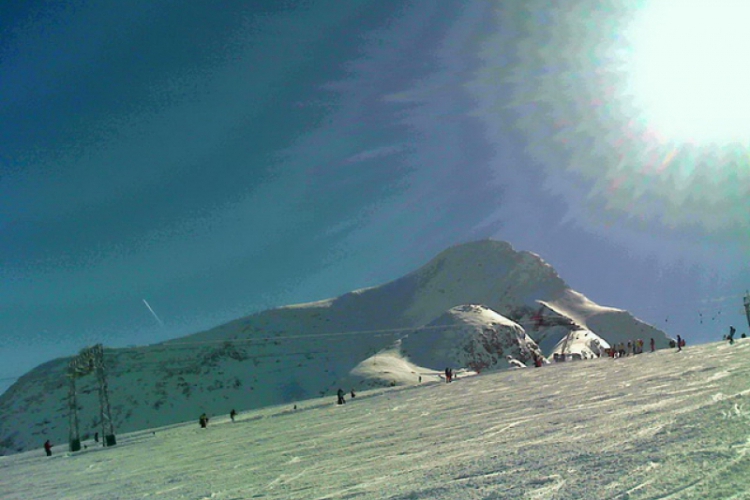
[476, 303]
[613, 325]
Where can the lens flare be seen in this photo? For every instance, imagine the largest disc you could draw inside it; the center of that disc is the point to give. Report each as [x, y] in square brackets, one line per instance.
[688, 69]
[580, 90]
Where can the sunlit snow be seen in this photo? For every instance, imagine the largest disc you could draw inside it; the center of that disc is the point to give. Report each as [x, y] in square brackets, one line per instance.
[667, 424]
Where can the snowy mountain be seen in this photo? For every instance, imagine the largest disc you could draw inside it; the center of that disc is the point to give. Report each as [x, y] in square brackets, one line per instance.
[469, 308]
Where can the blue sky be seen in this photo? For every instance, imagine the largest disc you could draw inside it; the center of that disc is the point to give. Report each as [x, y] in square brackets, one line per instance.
[220, 158]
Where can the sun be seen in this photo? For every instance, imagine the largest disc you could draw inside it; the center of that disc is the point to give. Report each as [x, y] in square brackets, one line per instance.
[689, 69]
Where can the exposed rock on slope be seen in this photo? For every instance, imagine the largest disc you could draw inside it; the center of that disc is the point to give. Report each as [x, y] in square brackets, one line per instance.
[469, 336]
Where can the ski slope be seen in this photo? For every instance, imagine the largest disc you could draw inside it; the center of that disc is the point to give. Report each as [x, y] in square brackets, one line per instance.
[663, 425]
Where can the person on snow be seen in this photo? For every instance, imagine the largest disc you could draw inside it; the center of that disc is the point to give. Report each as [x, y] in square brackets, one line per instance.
[679, 343]
[203, 420]
[352, 393]
[232, 414]
[653, 344]
[731, 335]
[48, 448]
[537, 359]
[341, 399]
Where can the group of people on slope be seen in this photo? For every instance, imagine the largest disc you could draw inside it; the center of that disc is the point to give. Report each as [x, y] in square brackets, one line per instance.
[629, 348]
[632, 348]
[203, 419]
[48, 445]
[340, 396]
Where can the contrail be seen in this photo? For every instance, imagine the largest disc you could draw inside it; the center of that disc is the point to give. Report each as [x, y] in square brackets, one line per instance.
[152, 312]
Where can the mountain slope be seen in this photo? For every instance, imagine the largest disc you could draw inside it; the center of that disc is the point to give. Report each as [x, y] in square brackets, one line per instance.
[292, 353]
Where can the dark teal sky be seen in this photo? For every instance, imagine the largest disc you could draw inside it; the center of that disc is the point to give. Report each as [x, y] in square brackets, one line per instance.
[220, 158]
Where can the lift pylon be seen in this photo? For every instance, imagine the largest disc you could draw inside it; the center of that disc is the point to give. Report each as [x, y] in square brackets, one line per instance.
[90, 359]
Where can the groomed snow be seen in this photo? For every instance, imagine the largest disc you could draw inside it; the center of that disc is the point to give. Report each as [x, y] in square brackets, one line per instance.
[666, 425]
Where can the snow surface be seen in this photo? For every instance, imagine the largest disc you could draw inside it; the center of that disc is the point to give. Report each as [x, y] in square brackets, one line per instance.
[390, 364]
[664, 425]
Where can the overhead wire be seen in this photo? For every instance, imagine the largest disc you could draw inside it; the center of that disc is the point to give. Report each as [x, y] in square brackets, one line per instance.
[189, 345]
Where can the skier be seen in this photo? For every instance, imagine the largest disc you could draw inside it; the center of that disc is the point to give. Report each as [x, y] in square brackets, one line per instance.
[731, 335]
[203, 420]
[653, 345]
[232, 414]
[679, 343]
[341, 399]
[353, 395]
[48, 448]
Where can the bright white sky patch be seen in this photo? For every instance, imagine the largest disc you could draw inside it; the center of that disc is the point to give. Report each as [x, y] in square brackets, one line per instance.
[690, 74]
[637, 110]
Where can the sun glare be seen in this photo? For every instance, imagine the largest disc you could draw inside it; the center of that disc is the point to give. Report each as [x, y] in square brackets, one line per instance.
[646, 101]
[690, 69]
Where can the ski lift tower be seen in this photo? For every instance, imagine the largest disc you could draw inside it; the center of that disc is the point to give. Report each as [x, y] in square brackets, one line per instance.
[90, 359]
[747, 306]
